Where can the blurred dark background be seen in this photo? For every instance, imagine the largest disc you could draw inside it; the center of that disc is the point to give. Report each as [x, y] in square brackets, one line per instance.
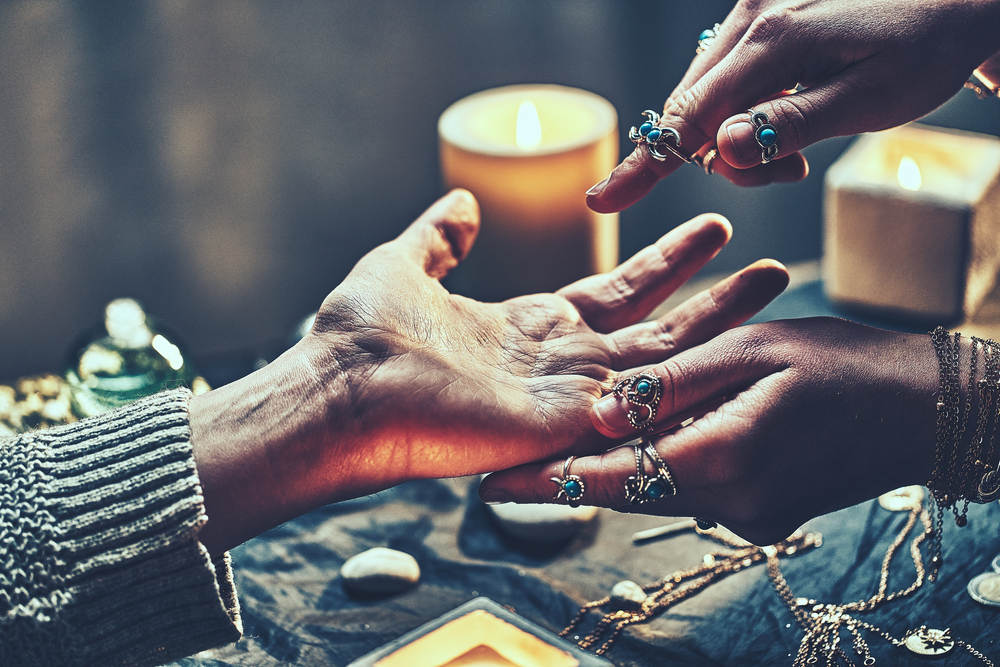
[227, 162]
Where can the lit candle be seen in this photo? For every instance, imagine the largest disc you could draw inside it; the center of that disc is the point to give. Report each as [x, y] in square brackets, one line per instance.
[528, 153]
[913, 223]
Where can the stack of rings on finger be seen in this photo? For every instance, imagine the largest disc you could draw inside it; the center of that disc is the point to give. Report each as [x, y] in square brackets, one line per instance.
[661, 141]
[571, 487]
[765, 134]
[643, 487]
[643, 391]
[706, 38]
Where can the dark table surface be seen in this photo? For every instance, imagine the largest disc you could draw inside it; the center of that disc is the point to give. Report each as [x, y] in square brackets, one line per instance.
[296, 611]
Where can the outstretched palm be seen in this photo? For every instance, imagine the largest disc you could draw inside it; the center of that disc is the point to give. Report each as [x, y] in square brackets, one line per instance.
[446, 385]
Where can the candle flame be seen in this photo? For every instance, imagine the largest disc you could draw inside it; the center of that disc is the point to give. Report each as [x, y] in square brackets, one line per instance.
[908, 174]
[528, 130]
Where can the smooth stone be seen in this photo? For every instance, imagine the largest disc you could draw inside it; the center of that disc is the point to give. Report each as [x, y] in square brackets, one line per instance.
[654, 135]
[643, 387]
[539, 522]
[767, 136]
[708, 33]
[645, 128]
[380, 571]
[573, 488]
[627, 595]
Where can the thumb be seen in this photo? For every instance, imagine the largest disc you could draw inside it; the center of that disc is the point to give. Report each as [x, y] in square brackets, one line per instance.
[443, 235]
[840, 106]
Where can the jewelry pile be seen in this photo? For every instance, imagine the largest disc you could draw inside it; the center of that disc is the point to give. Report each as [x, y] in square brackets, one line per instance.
[822, 623]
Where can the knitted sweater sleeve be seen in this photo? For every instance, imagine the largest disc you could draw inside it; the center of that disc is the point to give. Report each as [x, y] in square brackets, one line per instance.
[100, 561]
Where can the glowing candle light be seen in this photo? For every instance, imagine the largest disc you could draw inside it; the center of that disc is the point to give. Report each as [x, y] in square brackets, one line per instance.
[908, 174]
[529, 153]
[528, 129]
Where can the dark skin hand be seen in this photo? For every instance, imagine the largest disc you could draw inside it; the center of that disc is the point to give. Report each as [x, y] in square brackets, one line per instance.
[400, 380]
[793, 419]
[864, 66]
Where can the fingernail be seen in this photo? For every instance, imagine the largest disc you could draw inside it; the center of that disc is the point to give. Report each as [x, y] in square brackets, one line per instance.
[597, 188]
[744, 147]
[609, 416]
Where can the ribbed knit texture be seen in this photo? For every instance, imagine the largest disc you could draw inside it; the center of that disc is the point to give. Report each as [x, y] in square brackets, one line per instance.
[100, 561]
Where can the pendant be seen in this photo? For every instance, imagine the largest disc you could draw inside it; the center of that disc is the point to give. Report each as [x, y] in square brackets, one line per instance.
[929, 641]
[903, 499]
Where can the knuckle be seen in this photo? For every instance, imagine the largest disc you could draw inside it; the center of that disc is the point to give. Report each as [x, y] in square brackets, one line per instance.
[770, 25]
[668, 373]
[753, 7]
[793, 113]
[665, 338]
[678, 104]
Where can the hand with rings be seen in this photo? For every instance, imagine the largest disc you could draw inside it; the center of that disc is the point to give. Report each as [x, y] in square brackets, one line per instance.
[807, 71]
[761, 428]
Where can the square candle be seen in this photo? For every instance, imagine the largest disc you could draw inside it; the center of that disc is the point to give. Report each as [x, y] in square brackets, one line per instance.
[912, 223]
[484, 634]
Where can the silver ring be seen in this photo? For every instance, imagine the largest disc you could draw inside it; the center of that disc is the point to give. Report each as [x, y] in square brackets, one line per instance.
[660, 140]
[765, 134]
[706, 38]
[642, 487]
[643, 391]
[571, 487]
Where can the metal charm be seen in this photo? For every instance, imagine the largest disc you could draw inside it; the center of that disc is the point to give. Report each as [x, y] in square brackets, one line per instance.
[660, 141]
[929, 641]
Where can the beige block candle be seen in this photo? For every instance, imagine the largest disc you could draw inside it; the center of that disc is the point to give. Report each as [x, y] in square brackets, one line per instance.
[912, 223]
[528, 153]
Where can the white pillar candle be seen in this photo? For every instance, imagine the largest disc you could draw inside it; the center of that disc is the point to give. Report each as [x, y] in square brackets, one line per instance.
[913, 223]
[528, 153]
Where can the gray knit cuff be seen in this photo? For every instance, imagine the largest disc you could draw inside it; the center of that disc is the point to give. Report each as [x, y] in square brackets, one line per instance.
[125, 507]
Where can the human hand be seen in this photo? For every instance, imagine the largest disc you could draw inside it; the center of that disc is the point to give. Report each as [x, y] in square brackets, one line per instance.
[864, 67]
[399, 379]
[793, 419]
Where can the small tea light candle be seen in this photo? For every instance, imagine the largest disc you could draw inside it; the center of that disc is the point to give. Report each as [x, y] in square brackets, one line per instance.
[912, 223]
[528, 153]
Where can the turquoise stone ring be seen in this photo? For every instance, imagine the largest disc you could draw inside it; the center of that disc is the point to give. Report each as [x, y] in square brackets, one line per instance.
[660, 140]
[765, 134]
[643, 487]
[643, 393]
[571, 487]
[706, 38]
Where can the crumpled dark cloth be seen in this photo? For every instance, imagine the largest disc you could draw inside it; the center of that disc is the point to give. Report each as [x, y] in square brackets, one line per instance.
[296, 611]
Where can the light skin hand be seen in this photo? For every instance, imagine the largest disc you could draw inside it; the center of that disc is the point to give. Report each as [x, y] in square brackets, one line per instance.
[864, 67]
[793, 419]
[401, 380]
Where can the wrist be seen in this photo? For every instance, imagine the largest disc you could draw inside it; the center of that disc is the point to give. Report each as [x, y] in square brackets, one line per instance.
[267, 446]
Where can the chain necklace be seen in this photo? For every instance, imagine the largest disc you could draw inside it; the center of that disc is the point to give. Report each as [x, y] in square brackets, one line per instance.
[822, 623]
[683, 584]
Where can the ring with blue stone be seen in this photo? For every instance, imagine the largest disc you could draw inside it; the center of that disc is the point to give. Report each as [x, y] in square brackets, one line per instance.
[706, 38]
[643, 487]
[661, 141]
[571, 487]
[643, 392]
[765, 134]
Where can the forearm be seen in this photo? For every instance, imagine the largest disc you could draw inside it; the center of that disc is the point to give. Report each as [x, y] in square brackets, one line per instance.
[273, 445]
